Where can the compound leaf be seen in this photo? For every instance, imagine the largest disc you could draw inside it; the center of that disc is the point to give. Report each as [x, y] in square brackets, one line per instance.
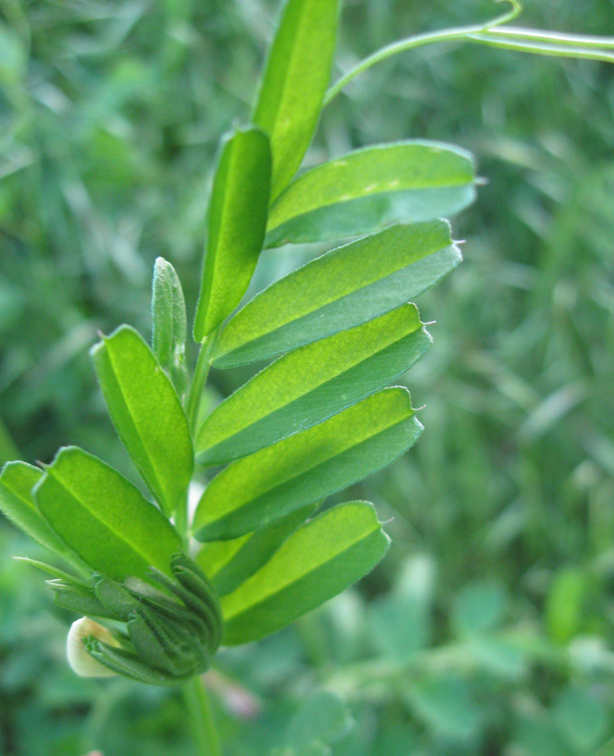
[103, 518]
[371, 188]
[308, 466]
[147, 413]
[339, 290]
[311, 384]
[320, 560]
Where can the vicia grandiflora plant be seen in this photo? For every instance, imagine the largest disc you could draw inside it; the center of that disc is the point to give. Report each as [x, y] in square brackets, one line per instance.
[318, 417]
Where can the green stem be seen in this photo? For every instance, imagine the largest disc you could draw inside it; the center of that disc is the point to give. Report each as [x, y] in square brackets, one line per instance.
[201, 373]
[181, 522]
[523, 43]
[201, 716]
[493, 34]
[458, 33]
[557, 38]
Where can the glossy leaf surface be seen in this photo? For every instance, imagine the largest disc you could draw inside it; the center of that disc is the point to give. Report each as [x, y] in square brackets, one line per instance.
[17, 503]
[371, 188]
[147, 413]
[311, 384]
[294, 82]
[321, 559]
[103, 518]
[339, 290]
[230, 563]
[236, 225]
[169, 323]
[299, 470]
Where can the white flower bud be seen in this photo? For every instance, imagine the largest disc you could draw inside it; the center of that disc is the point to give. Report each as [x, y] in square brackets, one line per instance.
[78, 657]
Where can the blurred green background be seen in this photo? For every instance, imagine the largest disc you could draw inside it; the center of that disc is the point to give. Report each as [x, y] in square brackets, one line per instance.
[489, 628]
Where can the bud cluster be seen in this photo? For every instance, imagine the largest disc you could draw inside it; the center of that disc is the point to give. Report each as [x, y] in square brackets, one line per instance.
[169, 636]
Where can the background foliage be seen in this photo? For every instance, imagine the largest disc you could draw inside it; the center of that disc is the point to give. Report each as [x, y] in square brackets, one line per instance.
[489, 627]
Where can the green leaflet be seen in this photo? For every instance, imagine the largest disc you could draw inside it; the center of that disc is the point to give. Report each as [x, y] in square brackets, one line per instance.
[308, 466]
[294, 82]
[230, 563]
[147, 413]
[17, 503]
[371, 188]
[309, 385]
[236, 225]
[339, 290]
[169, 323]
[321, 559]
[103, 518]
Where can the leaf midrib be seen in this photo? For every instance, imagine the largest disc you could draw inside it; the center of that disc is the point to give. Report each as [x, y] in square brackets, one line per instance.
[426, 238]
[286, 585]
[160, 488]
[313, 388]
[226, 198]
[281, 482]
[144, 556]
[280, 99]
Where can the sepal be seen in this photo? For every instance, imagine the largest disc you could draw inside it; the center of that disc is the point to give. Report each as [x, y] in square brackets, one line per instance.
[166, 641]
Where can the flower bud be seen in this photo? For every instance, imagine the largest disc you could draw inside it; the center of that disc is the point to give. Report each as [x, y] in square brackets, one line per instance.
[78, 656]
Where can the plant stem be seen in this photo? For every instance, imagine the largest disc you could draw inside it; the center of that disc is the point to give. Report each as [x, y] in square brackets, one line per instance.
[458, 33]
[521, 42]
[181, 522]
[493, 34]
[201, 373]
[201, 716]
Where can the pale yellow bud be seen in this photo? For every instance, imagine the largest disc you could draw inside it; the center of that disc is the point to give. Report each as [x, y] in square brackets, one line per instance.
[78, 657]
